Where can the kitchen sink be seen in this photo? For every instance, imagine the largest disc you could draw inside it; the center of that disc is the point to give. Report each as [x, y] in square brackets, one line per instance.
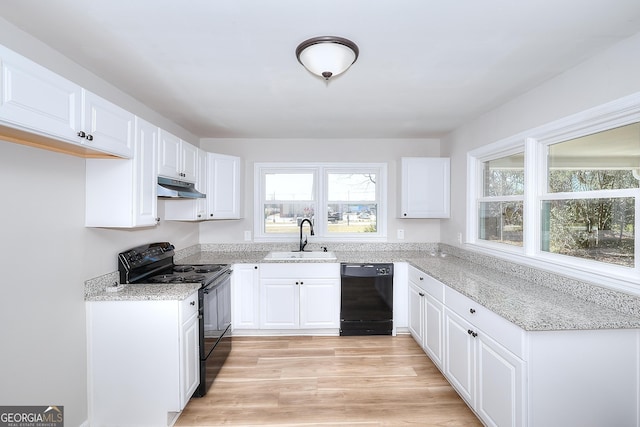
[293, 255]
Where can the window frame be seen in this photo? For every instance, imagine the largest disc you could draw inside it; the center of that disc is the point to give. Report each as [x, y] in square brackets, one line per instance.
[535, 143]
[320, 188]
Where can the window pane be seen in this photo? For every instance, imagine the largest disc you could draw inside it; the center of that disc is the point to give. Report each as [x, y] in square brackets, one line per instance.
[286, 217]
[352, 218]
[596, 229]
[352, 186]
[501, 222]
[288, 186]
[504, 176]
[608, 160]
[350, 209]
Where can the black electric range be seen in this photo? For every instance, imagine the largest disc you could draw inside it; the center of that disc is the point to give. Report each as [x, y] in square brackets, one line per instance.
[153, 263]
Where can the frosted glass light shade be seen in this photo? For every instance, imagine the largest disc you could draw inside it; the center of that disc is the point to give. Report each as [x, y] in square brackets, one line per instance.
[327, 56]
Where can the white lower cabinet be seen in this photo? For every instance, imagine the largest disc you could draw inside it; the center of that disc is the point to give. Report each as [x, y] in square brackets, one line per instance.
[485, 374]
[300, 296]
[143, 360]
[245, 295]
[513, 377]
[426, 313]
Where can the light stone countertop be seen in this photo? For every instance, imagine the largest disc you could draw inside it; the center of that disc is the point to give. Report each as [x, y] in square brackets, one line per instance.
[146, 292]
[531, 306]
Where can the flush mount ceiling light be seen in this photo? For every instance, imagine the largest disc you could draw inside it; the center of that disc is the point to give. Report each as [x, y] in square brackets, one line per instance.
[327, 56]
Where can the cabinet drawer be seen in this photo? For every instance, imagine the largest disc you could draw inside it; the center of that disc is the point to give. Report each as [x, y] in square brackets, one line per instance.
[427, 283]
[297, 270]
[188, 307]
[497, 327]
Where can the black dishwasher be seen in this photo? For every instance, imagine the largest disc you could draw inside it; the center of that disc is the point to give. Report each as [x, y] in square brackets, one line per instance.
[366, 303]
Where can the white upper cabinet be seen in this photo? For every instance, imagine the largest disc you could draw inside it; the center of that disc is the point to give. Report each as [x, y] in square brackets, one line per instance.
[177, 158]
[223, 186]
[123, 192]
[218, 176]
[424, 191]
[37, 101]
[190, 209]
[106, 127]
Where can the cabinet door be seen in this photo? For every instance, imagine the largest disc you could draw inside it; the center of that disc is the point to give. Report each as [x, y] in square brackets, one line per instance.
[416, 313]
[123, 192]
[188, 162]
[425, 183]
[245, 296]
[36, 99]
[319, 303]
[433, 329]
[168, 155]
[500, 391]
[201, 185]
[190, 364]
[279, 303]
[459, 353]
[223, 186]
[189, 348]
[108, 127]
[145, 180]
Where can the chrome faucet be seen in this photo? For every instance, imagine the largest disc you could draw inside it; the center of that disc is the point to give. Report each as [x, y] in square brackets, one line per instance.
[303, 244]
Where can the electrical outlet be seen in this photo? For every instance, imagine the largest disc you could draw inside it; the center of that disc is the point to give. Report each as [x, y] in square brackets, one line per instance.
[460, 238]
[247, 236]
[400, 234]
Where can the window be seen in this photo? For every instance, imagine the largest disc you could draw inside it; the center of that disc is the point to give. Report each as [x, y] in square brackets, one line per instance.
[566, 193]
[588, 209]
[289, 197]
[342, 201]
[500, 208]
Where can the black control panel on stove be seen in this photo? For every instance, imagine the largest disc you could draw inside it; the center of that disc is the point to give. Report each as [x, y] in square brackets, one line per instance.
[146, 254]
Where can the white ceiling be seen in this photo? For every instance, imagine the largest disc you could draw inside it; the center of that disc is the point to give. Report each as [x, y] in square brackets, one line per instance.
[227, 68]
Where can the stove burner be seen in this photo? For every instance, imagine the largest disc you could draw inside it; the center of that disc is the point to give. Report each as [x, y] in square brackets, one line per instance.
[195, 278]
[182, 268]
[167, 278]
[207, 268]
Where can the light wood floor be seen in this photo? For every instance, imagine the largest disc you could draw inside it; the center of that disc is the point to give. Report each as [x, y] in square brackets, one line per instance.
[328, 381]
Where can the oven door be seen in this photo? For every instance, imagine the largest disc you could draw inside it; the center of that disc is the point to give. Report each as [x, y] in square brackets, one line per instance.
[215, 336]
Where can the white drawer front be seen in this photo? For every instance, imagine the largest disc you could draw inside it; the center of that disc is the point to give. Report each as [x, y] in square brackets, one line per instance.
[501, 330]
[189, 306]
[427, 283]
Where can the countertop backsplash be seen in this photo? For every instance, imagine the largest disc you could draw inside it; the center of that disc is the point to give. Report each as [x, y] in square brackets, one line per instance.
[619, 301]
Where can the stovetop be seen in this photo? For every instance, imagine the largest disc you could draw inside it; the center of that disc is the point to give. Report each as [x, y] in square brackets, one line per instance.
[153, 263]
[198, 273]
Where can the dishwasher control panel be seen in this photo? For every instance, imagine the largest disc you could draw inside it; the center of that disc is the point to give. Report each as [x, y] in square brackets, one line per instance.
[366, 270]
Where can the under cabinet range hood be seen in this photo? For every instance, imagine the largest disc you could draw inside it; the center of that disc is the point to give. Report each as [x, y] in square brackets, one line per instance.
[174, 189]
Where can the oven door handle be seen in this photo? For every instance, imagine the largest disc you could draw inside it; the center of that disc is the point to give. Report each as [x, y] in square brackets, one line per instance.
[219, 280]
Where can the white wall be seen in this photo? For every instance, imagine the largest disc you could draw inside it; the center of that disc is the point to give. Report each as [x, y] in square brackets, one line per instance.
[46, 254]
[603, 78]
[322, 150]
